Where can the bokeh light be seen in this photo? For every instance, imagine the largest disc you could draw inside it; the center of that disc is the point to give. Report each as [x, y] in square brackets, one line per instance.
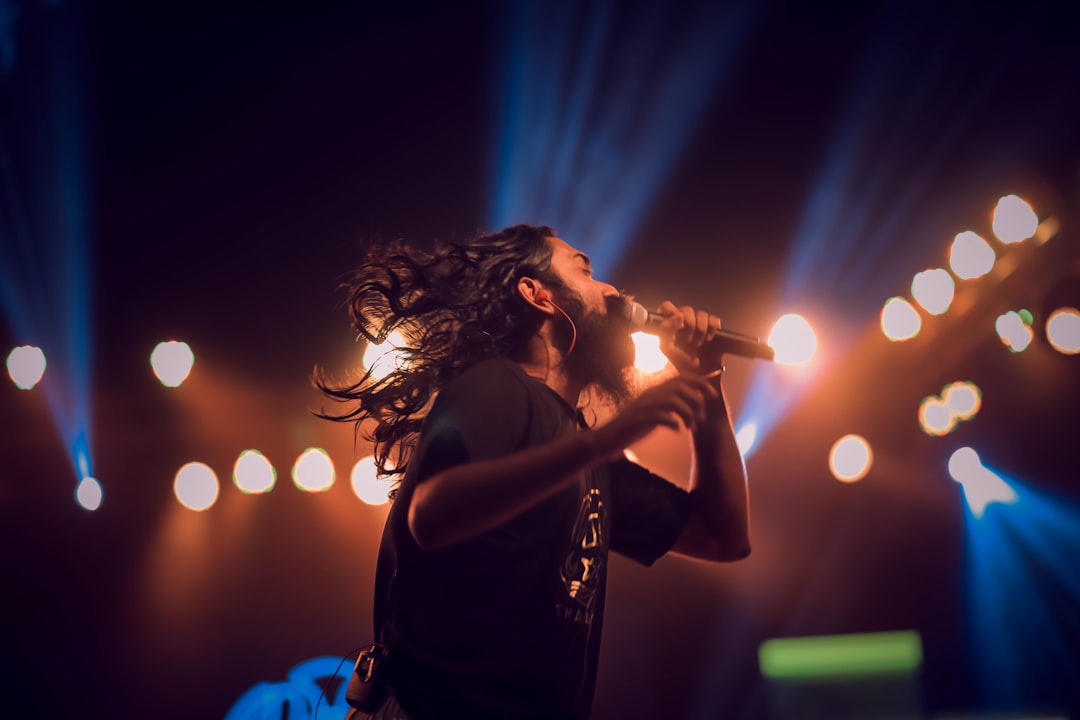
[1014, 331]
[933, 290]
[172, 362]
[964, 399]
[1063, 330]
[647, 355]
[253, 473]
[793, 340]
[935, 417]
[981, 485]
[366, 483]
[971, 256]
[383, 358]
[314, 471]
[26, 366]
[196, 486]
[745, 437]
[1014, 220]
[900, 320]
[89, 494]
[850, 458]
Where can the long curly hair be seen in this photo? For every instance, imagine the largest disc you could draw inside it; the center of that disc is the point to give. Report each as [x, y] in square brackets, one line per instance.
[453, 306]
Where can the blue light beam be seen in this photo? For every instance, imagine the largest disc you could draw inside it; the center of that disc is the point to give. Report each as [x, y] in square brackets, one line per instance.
[855, 234]
[1022, 594]
[45, 268]
[599, 100]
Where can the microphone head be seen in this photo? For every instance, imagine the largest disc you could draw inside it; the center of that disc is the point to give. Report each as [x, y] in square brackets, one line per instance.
[639, 316]
[626, 310]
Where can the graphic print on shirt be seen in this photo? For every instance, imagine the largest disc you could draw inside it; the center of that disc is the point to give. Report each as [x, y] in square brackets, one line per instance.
[583, 568]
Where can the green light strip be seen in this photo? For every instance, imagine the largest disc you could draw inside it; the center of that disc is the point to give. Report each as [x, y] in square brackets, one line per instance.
[841, 655]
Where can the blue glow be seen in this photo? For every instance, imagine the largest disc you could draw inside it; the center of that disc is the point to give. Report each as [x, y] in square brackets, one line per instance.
[1023, 591]
[854, 235]
[296, 697]
[45, 268]
[599, 100]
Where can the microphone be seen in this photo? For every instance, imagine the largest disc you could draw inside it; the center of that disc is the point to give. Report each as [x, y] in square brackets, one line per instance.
[725, 342]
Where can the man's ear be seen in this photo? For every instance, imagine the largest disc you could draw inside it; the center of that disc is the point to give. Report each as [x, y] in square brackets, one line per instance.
[532, 291]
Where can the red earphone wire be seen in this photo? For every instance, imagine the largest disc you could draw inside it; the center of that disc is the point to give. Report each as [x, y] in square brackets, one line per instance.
[573, 327]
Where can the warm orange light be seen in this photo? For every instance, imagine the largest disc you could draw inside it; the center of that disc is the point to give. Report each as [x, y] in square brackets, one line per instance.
[1013, 331]
[1063, 330]
[850, 458]
[963, 398]
[313, 471]
[935, 417]
[366, 483]
[172, 362]
[387, 356]
[793, 340]
[647, 355]
[253, 473]
[196, 486]
[1014, 220]
[900, 320]
[933, 290]
[971, 256]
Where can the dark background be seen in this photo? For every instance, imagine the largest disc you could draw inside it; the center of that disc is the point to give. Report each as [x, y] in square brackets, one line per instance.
[237, 156]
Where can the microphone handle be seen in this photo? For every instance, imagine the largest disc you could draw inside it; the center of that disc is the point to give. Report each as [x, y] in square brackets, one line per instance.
[725, 342]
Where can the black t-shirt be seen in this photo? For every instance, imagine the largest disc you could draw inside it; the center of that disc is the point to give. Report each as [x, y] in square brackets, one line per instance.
[507, 624]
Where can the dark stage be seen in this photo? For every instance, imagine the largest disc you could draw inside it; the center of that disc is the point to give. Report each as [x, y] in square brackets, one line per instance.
[209, 172]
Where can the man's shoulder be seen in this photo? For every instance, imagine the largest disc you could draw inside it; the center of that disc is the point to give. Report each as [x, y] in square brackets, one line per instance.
[493, 373]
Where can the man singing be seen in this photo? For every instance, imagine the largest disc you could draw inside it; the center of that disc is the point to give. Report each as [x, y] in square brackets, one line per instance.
[489, 594]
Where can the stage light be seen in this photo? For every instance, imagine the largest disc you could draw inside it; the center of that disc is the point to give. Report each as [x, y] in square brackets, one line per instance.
[88, 493]
[46, 196]
[935, 417]
[981, 485]
[850, 458]
[313, 471]
[385, 357]
[172, 362]
[900, 320]
[1014, 331]
[963, 398]
[933, 290]
[253, 473]
[1063, 330]
[745, 437]
[793, 340]
[971, 256]
[26, 365]
[196, 486]
[1022, 591]
[647, 355]
[366, 483]
[1014, 220]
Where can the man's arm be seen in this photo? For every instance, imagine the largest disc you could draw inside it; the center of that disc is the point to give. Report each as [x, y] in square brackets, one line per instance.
[466, 500]
[719, 525]
[718, 528]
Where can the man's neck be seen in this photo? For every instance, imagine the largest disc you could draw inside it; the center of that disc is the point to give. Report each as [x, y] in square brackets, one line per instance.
[544, 362]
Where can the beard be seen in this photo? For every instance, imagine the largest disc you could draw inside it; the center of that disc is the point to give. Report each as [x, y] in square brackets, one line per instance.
[603, 353]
